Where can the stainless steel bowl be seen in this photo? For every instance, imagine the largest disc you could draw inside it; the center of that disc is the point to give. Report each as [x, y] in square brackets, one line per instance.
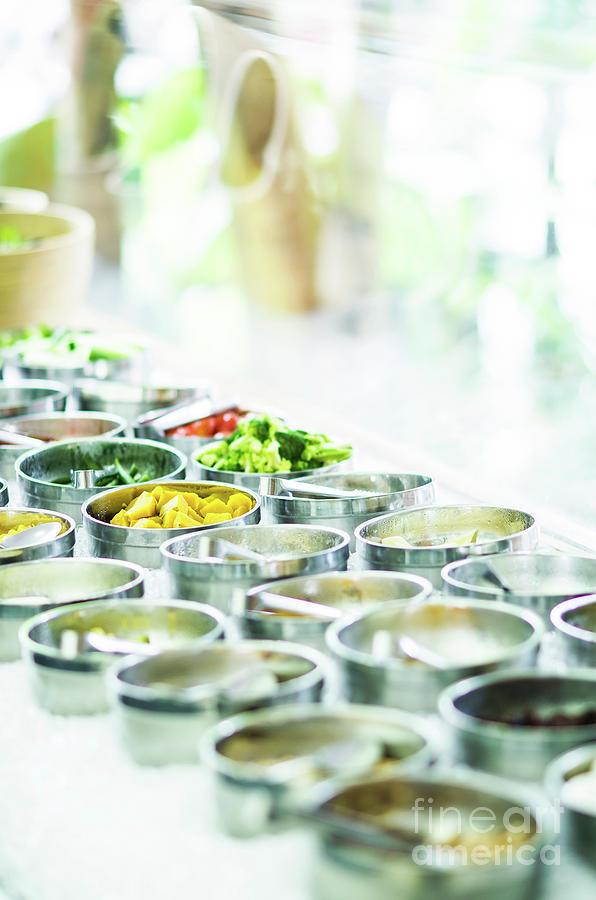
[57, 426]
[142, 545]
[575, 623]
[439, 814]
[3, 492]
[63, 545]
[69, 373]
[130, 400]
[75, 685]
[22, 398]
[255, 792]
[519, 750]
[577, 799]
[348, 591]
[492, 635]
[395, 491]
[29, 588]
[500, 530]
[37, 469]
[538, 579]
[257, 480]
[196, 575]
[165, 703]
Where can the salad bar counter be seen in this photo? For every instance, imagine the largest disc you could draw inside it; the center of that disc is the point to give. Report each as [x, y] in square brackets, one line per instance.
[242, 658]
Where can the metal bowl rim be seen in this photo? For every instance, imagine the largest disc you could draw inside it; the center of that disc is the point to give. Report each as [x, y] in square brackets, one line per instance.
[248, 566]
[502, 730]
[564, 627]
[231, 725]
[360, 657]
[28, 644]
[118, 422]
[76, 442]
[456, 564]
[89, 520]
[56, 389]
[480, 549]
[557, 770]
[201, 693]
[344, 505]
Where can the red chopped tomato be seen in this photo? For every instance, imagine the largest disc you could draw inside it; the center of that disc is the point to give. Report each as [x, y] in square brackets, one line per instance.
[222, 425]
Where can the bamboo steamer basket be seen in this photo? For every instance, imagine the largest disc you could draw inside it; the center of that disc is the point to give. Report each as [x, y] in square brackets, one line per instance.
[46, 282]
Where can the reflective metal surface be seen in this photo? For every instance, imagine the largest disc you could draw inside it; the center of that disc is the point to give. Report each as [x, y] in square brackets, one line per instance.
[130, 399]
[346, 591]
[76, 685]
[36, 469]
[142, 544]
[25, 397]
[481, 712]
[493, 635]
[255, 793]
[55, 582]
[500, 529]
[164, 704]
[196, 575]
[579, 820]
[575, 623]
[63, 545]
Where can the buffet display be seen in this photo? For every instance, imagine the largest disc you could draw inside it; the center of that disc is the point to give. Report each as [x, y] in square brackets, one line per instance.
[322, 637]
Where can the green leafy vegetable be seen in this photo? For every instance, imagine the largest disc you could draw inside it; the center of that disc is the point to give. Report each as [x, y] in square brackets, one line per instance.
[265, 444]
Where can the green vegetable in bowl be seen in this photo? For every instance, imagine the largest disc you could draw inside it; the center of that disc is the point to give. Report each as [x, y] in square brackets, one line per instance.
[43, 346]
[264, 444]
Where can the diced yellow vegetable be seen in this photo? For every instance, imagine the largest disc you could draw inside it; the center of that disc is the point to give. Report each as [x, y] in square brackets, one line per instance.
[195, 515]
[213, 518]
[143, 507]
[184, 521]
[146, 523]
[193, 500]
[168, 519]
[177, 503]
[164, 497]
[236, 500]
[240, 511]
[120, 519]
[214, 506]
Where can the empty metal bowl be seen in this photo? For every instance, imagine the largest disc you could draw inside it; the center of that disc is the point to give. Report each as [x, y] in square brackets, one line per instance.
[416, 836]
[32, 587]
[393, 491]
[515, 723]
[75, 684]
[130, 400]
[63, 545]
[538, 579]
[3, 492]
[142, 545]
[346, 591]
[433, 529]
[570, 779]
[38, 469]
[265, 762]
[196, 574]
[471, 636]
[575, 623]
[163, 704]
[56, 426]
[26, 397]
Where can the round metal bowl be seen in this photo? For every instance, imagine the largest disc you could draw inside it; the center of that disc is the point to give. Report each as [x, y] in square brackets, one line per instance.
[68, 372]
[538, 580]
[500, 529]
[197, 575]
[130, 400]
[575, 623]
[3, 492]
[26, 397]
[570, 779]
[63, 545]
[164, 703]
[443, 846]
[471, 635]
[75, 685]
[142, 545]
[347, 591]
[255, 792]
[481, 713]
[257, 480]
[57, 426]
[29, 588]
[395, 491]
[37, 469]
